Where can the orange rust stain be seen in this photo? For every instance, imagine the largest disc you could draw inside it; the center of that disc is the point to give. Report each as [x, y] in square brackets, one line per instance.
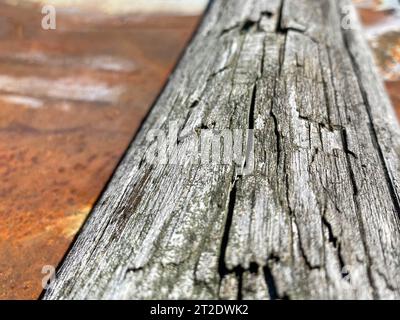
[70, 102]
[383, 32]
[393, 89]
[369, 16]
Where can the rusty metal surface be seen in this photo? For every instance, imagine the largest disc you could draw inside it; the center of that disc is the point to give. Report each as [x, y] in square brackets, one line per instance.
[381, 19]
[70, 101]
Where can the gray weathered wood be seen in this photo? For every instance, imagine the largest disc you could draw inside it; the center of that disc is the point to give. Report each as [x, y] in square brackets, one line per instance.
[318, 217]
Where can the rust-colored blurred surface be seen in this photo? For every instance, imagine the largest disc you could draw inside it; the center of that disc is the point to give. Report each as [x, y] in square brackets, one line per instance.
[381, 19]
[70, 102]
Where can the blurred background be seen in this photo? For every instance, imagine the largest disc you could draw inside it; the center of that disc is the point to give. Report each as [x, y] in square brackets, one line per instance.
[72, 98]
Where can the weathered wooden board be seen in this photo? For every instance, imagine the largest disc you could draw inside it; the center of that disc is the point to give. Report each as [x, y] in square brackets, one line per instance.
[319, 215]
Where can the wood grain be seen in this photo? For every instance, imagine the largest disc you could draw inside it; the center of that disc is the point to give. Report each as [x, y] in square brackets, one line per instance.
[319, 215]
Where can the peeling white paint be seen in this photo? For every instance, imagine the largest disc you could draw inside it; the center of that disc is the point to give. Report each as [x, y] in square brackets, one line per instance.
[99, 62]
[192, 7]
[69, 88]
[22, 100]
